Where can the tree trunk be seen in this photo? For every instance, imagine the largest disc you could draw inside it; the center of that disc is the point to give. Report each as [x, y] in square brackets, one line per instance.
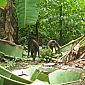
[61, 37]
[9, 30]
[37, 35]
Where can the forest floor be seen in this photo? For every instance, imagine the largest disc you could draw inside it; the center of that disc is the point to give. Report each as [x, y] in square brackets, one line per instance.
[19, 65]
[23, 64]
[74, 59]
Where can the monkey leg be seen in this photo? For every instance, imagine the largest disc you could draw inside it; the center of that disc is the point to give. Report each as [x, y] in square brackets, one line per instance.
[32, 54]
[35, 55]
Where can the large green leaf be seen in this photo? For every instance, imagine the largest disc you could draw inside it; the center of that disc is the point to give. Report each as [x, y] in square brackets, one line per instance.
[9, 49]
[11, 76]
[7, 81]
[64, 76]
[69, 45]
[38, 82]
[27, 12]
[82, 42]
[35, 73]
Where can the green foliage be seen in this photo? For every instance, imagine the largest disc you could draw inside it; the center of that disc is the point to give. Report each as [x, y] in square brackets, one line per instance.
[37, 74]
[6, 81]
[68, 46]
[38, 82]
[45, 54]
[9, 75]
[23, 33]
[72, 17]
[10, 63]
[3, 3]
[49, 18]
[27, 12]
[82, 42]
[9, 49]
[63, 76]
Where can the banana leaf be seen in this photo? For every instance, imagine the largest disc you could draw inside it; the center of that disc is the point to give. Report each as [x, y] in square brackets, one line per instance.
[38, 82]
[64, 76]
[35, 73]
[82, 42]
[68, 46]
[7, 81]
[9, 49]
[27, 12]
[9, 75]
[47, 70]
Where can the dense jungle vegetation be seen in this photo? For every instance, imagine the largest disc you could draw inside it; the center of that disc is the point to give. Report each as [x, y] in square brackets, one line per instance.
[42, 42]
[62, 20]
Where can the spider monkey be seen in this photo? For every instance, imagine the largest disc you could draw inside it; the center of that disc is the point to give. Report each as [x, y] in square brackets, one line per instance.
[33, 48]
[53, 44]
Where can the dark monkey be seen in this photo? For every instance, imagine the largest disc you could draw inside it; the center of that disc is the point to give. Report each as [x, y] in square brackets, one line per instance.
[53, 44]
[34, 48]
